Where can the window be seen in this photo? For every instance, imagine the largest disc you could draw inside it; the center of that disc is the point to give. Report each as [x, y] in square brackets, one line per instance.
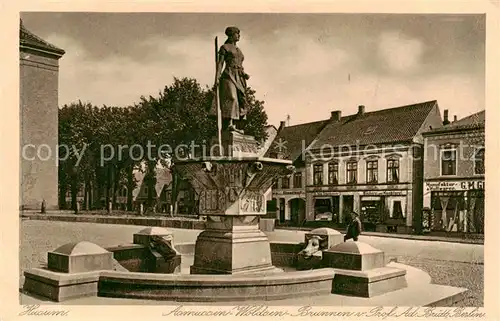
[372, 171]
[352, 172]
[397, 211]
[275, 183]
[392, 170]
[333, 173]
[297, 180]
[318, 174]
[285, 182]
[449, 162]
[479, 161]
[146, 190]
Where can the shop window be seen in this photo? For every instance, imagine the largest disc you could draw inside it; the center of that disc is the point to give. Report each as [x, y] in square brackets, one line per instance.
[333, 173]
[397, 210]
[479, 161]
[352, 172]
[448, 162]
[449, 211]
[318, 174]
[372, 171]
[393, 171]
[323, 210]
[297, 180]
[285, 182]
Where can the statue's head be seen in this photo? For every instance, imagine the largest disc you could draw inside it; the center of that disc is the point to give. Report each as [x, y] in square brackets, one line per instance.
[233, 33]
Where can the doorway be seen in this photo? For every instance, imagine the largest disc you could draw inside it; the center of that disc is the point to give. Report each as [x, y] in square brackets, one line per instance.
[298, 211]
[282, 210]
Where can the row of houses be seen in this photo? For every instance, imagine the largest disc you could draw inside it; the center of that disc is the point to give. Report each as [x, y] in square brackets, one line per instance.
[180, 199]
[405, 169]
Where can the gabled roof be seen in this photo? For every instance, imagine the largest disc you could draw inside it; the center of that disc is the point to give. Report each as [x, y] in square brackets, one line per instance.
[163, 177]
[290, 140]
[474, 121]
[399, 124]
[271, 134]
[28, 40]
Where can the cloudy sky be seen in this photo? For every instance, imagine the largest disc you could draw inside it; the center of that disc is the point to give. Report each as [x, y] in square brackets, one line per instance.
[302, 65]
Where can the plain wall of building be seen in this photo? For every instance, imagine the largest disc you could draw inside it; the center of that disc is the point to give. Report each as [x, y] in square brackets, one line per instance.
[39, 127]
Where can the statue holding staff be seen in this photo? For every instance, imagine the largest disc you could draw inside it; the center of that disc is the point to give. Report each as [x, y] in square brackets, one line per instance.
[230, 83]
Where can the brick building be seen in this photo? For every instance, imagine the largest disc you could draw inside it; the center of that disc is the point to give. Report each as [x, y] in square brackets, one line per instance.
[454, 176]
[370, 162]
[39, 70]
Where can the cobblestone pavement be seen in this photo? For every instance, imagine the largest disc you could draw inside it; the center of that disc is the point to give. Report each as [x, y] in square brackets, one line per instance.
[39, 237]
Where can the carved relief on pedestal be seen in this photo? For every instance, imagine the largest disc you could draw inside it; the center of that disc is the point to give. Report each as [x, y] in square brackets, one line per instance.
[231, 187]
[252, 202]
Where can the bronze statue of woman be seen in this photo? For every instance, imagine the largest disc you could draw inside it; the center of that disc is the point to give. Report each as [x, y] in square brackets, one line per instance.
[231, 82]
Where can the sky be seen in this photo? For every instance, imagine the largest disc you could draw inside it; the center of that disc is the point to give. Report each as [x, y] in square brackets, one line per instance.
[301, 65]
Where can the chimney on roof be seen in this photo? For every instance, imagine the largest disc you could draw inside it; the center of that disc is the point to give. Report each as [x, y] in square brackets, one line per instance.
[361, 109]
[454, 118]
[446, 121]
[282, 125]
[336, 115]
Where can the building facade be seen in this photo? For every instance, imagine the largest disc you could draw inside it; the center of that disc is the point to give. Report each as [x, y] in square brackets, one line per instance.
[454, 176]
[288, 198]
[39, 73]
[370, 163]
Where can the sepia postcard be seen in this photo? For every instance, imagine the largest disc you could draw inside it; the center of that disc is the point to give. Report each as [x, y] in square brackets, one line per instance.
[267, 160]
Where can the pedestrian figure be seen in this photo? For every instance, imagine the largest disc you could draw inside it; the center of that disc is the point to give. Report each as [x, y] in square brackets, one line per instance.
[44, 207]
[354, 228]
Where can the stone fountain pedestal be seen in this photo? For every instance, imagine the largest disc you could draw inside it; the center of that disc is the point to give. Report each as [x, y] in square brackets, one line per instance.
[232, 245]
[232, 191]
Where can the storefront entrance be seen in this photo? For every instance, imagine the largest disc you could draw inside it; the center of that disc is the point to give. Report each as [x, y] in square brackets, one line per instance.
[371, 211]
[297, 211]
[282, 210]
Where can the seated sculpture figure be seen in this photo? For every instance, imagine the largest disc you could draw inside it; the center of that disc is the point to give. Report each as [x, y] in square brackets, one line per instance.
[163, 246]
[313, 246]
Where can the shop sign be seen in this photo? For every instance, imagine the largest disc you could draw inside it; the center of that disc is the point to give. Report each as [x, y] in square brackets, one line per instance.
[325, 193]
[385, 193]
[455, 185]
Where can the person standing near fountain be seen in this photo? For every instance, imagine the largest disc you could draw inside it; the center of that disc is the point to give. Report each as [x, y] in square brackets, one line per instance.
[354, 228]
[230, 83]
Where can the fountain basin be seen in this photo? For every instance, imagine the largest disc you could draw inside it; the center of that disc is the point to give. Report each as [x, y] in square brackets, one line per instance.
[215, 288]
[135, 277]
